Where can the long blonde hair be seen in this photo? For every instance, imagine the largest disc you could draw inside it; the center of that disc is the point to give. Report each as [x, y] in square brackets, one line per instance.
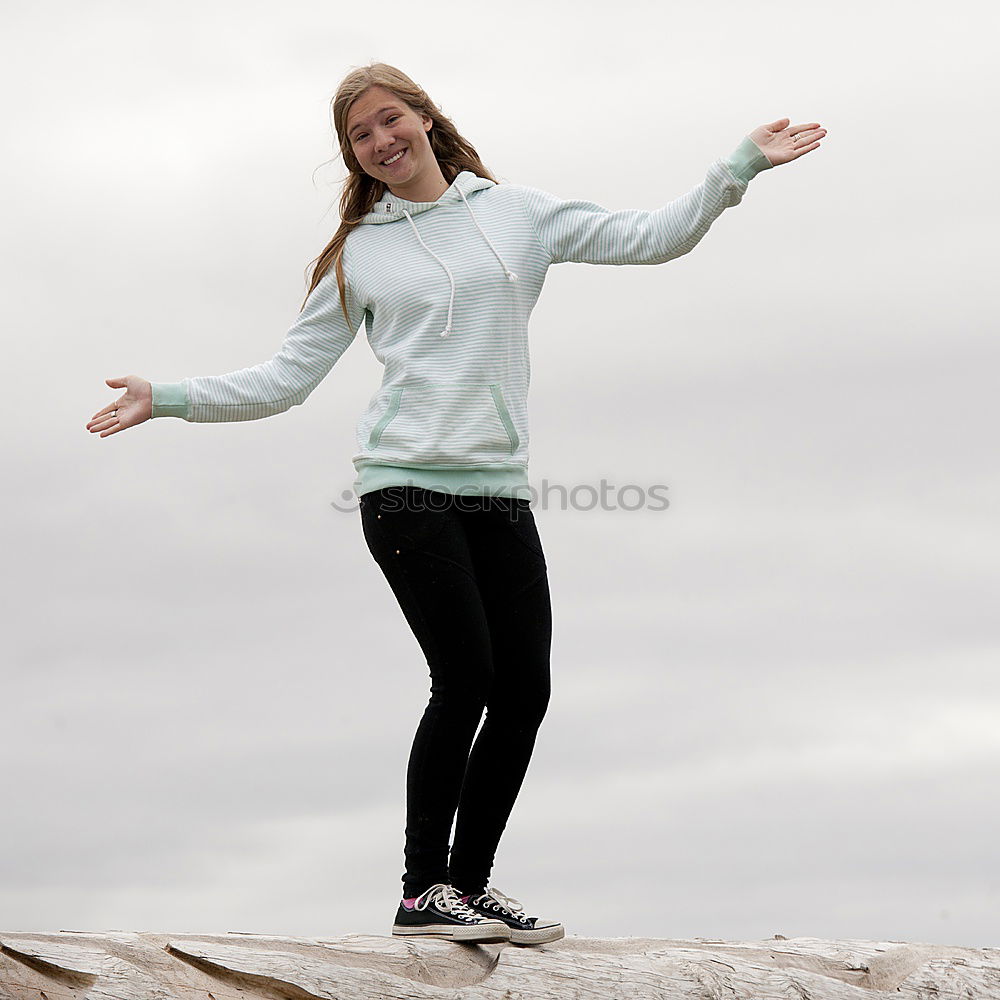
[454, 154]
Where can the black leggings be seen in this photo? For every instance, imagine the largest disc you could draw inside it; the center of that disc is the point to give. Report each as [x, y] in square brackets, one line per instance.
[470, 577]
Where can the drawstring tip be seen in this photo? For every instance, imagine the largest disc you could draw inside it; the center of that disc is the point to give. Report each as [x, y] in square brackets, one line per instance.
[444, 333]
[511, 276]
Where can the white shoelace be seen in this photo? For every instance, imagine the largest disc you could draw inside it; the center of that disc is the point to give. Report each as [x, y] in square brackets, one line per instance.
[510, 904]
[444, 897]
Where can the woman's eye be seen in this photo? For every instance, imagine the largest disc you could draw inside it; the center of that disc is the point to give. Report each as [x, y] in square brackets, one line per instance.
[389, 120]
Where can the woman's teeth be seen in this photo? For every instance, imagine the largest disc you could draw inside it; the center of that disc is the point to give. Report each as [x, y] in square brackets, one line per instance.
[392, 159]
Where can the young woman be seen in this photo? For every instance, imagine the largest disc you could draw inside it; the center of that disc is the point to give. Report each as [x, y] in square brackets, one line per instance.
[443, 264]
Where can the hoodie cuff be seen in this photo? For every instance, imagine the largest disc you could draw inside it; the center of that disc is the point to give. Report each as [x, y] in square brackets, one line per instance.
[748, 160]
[170, 399]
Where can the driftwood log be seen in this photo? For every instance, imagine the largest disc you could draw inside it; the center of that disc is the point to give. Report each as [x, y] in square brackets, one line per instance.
[146, 966]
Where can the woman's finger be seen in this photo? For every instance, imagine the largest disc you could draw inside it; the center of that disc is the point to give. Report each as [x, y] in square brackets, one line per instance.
[805, 149]
[101, 425]
[107, 409]
[811, 137]
[805, 131]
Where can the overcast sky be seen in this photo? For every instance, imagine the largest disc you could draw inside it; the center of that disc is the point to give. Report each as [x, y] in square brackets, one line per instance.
[776, 704]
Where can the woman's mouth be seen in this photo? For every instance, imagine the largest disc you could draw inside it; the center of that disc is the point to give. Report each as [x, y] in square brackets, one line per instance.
[394, 159]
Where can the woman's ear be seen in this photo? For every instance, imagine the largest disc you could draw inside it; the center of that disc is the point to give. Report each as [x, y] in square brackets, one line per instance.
[428, 123]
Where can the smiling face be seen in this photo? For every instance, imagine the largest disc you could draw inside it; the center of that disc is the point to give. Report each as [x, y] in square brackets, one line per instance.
[391, 144]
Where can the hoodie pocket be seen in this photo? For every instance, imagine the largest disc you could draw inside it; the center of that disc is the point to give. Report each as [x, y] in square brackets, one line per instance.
[445, 423]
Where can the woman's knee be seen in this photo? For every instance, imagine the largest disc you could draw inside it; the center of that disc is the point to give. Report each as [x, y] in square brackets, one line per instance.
[538, 706]
[462, 687]
[521, 706]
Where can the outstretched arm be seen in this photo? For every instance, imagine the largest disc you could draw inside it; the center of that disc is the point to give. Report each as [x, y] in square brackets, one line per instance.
[582, 231]
[312, 346]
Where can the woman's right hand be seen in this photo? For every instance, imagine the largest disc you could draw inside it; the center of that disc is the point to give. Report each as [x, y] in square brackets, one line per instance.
[781, 141]
[134, 407]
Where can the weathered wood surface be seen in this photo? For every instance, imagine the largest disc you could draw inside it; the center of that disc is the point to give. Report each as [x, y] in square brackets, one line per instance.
[148, 966]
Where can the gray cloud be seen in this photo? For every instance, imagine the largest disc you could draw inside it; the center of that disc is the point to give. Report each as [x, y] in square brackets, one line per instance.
[775, 707]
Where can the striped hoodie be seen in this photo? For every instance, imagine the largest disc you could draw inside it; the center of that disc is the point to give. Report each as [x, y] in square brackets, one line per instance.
[445, 289]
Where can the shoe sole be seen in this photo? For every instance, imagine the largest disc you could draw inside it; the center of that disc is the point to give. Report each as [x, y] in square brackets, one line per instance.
[540, 936]
[491, 932]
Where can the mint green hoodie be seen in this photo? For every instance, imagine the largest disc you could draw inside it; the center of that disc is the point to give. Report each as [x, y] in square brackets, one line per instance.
[445, 289]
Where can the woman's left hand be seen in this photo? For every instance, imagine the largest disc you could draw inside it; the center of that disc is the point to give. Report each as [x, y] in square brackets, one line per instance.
[781, 142]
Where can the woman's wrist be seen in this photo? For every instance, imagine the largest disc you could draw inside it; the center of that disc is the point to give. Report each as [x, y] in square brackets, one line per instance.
[747, 160]
[170, 399]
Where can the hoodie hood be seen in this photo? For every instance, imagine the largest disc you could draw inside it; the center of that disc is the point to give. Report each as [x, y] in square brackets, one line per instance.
[390, 208]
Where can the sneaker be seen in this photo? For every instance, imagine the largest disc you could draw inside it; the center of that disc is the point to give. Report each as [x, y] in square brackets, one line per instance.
[523, 929]
[439, 912]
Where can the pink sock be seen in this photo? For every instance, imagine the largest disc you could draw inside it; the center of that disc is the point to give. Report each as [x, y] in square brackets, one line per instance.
[408, 903]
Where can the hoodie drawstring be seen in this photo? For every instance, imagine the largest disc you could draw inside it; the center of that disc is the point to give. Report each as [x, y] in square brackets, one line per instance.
[451, 300]
[511, 276]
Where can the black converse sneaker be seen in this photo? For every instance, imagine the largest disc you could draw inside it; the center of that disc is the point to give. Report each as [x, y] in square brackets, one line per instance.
[523, 929]
[439, 912]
